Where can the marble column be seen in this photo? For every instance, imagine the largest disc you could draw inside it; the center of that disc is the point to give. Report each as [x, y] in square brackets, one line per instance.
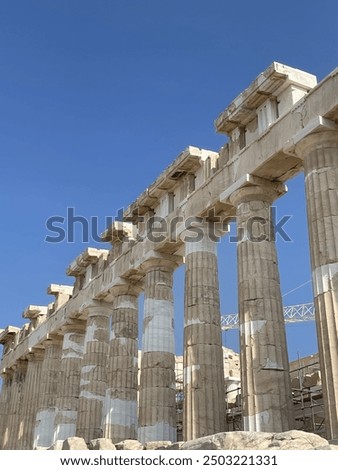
[320, 152]
[70, 372]
[15, 408]
[121, 399]
[7, 379]
[157, 400]
[93, 382]
[48, 392]
[31, 398]
[203, 373]
[265, 379]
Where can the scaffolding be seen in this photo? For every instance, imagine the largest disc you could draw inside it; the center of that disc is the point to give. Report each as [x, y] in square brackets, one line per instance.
[233, 410]
[307, 400]
[306, 395]
[292, 314]
[179, 405]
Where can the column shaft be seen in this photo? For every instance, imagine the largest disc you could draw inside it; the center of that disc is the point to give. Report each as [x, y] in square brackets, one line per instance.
[49, 387]
[121, 399]
[204, 393]
[31, 399]
[321, 182]
[69, 391]
[5, 401]
[93, 382]
[15, 409]
[157, 401]
[266, 389]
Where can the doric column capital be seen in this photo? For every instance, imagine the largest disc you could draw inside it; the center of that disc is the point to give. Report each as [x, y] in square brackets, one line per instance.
[5, 377]
[20, 366]
[36, 355]
[201, 230]
[125, 287]
[165, 262]
[266, 191]
[326, 138]
[76, 326]
[52, 339]
[8, 373]
[194, 225]
[96, 308]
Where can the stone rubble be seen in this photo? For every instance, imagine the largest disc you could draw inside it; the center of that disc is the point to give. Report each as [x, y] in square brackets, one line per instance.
[236, 440]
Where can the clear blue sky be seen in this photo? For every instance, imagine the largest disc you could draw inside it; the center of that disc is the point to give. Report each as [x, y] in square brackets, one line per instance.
[98, 97]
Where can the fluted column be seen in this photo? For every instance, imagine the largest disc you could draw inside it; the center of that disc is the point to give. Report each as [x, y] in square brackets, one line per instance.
[320, 153]
[93, 382]
[203, 374]
[69, 391]
[31, 398]
[3, 413]
[49, 387]
[3, 394]
[157, 403]
[265, 380]
[121, 399]
[15, 409]
[7, 378]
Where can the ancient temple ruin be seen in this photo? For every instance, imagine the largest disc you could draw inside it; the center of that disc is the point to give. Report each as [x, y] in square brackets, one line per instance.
[72, 370]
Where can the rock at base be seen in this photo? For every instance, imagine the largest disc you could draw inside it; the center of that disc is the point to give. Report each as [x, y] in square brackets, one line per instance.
[56, 446]
[101, 444]
[74, 443]
[242, 440]
[153, 445]
[176, 446]
[129, 444]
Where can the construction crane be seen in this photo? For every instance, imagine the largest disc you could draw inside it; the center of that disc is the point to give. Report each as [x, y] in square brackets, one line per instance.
[292, 314]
